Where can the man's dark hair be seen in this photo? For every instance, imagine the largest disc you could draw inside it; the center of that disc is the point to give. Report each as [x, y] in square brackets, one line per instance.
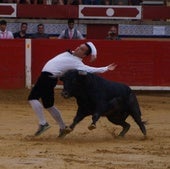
[70, 21]
[40, 25]
[24, 23]
[3, 22]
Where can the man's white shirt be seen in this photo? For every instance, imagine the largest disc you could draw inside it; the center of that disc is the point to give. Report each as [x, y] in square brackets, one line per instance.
[6, 35]
[67, 61]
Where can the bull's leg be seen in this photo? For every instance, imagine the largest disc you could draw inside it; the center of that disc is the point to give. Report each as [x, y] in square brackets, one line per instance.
[136, 113]
[95, 118]
[126, 127]
[119, 122]
[77, 119]
[112, 105]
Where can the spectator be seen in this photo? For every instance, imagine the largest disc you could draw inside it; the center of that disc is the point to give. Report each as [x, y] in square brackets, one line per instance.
[23, 1]
[17, 1]
[8, 1]
[40, 32]
[57, 2]
[70, 32]
[4, 33]
[73, 2]
[91, 2]
[48, 2]
[135, 2]
[44, 2]
[120, 2]
[113, 34]
[22, 33]
[106, 2]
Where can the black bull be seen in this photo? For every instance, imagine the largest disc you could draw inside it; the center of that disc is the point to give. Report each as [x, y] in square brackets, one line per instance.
[98, 97]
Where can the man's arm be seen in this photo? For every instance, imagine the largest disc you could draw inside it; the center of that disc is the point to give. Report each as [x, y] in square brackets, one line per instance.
[91, 69]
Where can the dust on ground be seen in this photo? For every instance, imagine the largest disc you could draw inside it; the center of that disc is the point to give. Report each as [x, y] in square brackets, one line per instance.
[83, 149]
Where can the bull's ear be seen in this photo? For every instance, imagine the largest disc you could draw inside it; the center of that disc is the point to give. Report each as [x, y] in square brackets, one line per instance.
[81, 72]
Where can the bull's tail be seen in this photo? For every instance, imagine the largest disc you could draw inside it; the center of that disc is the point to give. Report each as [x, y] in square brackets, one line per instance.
[136, 112]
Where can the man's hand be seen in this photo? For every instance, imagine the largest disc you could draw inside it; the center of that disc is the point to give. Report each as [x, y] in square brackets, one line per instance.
[111, 66]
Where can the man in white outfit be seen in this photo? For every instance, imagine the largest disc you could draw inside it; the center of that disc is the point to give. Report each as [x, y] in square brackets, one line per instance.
[53, 69]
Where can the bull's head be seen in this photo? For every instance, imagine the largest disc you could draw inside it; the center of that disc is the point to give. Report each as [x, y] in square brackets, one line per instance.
[72, 83]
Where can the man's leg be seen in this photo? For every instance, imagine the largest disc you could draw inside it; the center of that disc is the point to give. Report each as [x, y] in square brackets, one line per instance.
[38, 109]
[55, 113]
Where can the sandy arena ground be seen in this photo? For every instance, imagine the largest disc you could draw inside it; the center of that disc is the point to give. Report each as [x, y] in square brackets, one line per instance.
[82, 149]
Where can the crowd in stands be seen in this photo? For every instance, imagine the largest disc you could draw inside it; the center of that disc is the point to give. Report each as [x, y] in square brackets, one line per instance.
[88, 2]
[70, 32]
[45, 2]
[75, 2]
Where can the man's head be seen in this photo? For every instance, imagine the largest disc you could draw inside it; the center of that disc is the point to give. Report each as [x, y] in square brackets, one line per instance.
[3, 25]
[113, 31]
[40, 28]
[86, 49]
[24, 27]
[71, 23]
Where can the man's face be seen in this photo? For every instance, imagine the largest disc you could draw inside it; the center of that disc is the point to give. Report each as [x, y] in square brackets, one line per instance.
[24, 28]
[2, 28]
[113, 29]
[71, 25]
[41, 29]
[81, 51]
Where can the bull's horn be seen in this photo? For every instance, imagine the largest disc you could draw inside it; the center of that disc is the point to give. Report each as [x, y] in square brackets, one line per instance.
[81, 72]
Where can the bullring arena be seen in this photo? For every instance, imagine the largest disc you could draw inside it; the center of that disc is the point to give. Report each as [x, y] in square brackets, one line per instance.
[84, 149]
[97, 149]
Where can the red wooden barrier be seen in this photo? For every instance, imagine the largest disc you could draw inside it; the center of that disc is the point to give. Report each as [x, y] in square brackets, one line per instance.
[72, 11]
[47, 11]
[140, 63]
[12, 64]
[156, 12]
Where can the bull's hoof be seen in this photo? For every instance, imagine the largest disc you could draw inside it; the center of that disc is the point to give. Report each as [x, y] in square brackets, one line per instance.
[64, 132]
[120, 135]
[145, 137]
[124, 131]
[92, 126]
[68, 130]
